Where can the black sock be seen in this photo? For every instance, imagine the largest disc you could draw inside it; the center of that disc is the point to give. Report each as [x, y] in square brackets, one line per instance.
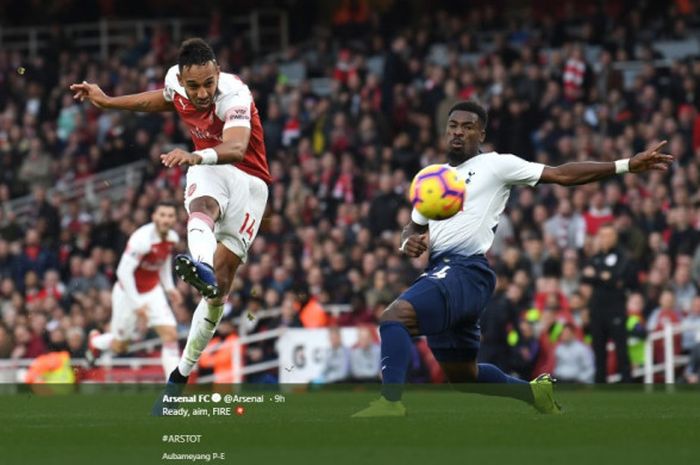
[177, 378]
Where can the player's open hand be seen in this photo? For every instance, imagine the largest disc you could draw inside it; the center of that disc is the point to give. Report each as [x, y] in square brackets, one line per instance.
[92, 92]
[414, 245]
[179, 157]
[651, 159]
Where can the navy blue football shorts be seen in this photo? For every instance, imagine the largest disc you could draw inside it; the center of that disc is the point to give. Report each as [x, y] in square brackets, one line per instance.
[449, 299]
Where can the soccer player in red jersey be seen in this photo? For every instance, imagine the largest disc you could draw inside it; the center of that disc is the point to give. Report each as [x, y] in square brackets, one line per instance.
[144, 277]
[227, 179]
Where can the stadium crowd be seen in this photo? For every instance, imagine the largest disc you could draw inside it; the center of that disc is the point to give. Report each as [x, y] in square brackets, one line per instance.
[342, 155]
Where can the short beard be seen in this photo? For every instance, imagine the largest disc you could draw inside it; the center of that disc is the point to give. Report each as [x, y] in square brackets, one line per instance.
[457, 157]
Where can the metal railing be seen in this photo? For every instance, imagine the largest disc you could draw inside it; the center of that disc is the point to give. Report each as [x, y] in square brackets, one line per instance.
[10, 370]
[238, 370]
[266, 29]
[671, 360]
[112, 182]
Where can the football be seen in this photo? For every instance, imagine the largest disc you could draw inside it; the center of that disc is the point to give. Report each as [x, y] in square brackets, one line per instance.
[437, 192]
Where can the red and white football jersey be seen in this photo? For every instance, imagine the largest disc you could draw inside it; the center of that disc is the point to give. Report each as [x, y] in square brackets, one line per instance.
[233, 107]
[152, 253]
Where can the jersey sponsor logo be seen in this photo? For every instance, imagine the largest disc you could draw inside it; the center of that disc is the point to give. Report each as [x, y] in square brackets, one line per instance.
[238, 114]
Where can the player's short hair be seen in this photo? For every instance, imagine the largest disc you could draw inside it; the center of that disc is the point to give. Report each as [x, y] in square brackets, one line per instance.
[194, 51]
[165, 203]
[472, 107]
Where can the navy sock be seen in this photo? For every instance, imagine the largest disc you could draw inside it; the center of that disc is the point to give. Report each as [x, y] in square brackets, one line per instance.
[492, 374]
[396, 356]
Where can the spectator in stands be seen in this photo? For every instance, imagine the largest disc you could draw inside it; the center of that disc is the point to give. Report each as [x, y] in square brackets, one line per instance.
[364, 357]
[498, 321]
[598, 214]
[337, 365]
[691, 337]
[87, 279]
[75, 339]
[684, 288]
[25, 345]
[665, 314]
[7, 261]
[6, 342]
[219, 352]
[636, 329]
[289, 317]
[34, 255]
[570, 274]
[525, 349]
[684, 238]
[567, 227]
[574, 359]
[343, 156]
[36, 168]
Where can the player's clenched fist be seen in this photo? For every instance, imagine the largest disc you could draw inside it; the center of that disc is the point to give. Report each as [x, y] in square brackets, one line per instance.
[414, 245]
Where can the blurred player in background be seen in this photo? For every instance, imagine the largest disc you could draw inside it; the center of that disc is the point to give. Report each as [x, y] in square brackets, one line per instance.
[226, 191]
[144, 276]
[446, 302]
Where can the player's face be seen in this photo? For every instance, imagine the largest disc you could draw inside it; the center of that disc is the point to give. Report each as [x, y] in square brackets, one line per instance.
[607, 237]
[200, 83]
[164, 218]
[464, 134]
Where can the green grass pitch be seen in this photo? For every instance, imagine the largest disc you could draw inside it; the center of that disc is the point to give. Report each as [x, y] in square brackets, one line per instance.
[112, 425]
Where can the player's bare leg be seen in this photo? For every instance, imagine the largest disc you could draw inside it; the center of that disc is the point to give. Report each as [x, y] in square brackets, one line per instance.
[170, 354]
[209, 311]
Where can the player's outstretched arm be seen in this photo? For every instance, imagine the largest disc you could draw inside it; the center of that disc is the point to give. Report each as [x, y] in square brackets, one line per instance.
[575, 173]
[150, 101]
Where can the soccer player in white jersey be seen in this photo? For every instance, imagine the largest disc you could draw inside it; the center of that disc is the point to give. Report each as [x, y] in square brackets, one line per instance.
[446, 302]
[144, 277]
[227, 179]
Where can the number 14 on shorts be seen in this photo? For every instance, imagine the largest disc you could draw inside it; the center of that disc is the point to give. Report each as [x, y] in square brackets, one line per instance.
[248, 228]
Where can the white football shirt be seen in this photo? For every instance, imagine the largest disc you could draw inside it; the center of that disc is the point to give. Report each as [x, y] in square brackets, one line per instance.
[489, 178]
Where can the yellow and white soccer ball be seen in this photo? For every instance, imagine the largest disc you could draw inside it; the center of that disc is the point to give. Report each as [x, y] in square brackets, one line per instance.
[437, 192]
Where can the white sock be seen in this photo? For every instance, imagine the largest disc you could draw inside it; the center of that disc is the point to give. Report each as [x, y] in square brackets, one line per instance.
[200, 238]
[169, 357]
[204, 322]
[103, 341]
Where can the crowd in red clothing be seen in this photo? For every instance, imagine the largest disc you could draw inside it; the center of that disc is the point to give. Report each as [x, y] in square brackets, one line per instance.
[341, 156]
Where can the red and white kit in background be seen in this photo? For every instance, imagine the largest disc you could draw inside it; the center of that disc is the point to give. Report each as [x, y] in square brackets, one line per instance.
[144, 274]
[241, 188]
